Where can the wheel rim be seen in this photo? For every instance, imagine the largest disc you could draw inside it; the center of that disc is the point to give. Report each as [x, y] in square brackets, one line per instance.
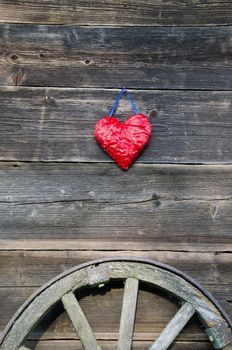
[192, 297]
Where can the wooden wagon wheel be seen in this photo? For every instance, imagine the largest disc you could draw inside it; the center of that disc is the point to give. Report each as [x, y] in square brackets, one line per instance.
[193, 298]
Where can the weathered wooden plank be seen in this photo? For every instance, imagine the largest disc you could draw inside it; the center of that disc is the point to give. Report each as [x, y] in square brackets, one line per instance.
[139, 57]
[111, 345]
[109, 244]
[103, 312]
[26, 183]
[93, 307]
[95, 218]
[124, 12]
[127, 320]
[79, 322]
[116, 269]
[173, 328]
[34, 268]
[171, 224]
[176, 201]
[57, 124]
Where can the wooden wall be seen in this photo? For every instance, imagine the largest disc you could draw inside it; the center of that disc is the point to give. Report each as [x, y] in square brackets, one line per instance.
[63, 201]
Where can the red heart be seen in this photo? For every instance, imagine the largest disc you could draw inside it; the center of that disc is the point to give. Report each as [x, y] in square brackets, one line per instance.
[123, 141]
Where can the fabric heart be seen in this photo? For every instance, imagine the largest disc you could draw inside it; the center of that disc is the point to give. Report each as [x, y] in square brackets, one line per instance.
[123, 141]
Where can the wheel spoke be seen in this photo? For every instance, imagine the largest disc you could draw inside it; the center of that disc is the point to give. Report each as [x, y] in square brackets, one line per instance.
[79, 321]
[173, 328]
[128, 314]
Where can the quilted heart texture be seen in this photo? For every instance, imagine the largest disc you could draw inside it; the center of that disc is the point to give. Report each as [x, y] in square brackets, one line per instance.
[123, 141]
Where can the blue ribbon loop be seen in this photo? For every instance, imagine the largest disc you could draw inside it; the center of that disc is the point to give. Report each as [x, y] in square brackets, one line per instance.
[119, 97]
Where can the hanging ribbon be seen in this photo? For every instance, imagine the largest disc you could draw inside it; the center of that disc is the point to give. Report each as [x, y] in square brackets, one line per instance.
[124, 89]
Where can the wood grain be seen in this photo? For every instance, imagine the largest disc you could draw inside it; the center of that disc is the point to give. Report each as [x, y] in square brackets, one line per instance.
[25, 269]
[173, 328]
[85, 210]
[24, 183]
[111, 345]
[128, 313]
[60, 66]
[79, 279]
[57, 124]
[124, 12]
[103, 312]
[195, 58]
[109, 244]
[34, 268]
[99, 207]
[79, 322]
[123, 222]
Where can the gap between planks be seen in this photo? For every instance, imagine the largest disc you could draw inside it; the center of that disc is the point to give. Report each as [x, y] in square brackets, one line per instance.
[104, 88]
